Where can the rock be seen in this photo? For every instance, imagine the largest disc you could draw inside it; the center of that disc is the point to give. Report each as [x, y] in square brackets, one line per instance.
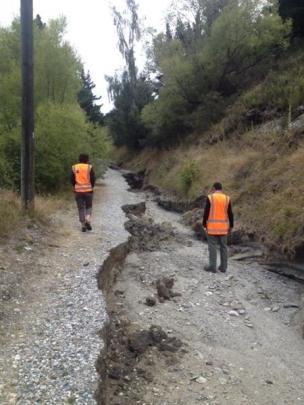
[115, 373]
[135, 180]
[150, 301]
[181, 206]
[254, 254]
[134, 209]
[291, 305]
[199, 231]
[239, 236]
[114, 166]
[171, 344]
[233, 313]
[162, 290]
[201, 380]
[253, 117]
[139, 342]
[297, 126]
[157, 334]
[152, 189]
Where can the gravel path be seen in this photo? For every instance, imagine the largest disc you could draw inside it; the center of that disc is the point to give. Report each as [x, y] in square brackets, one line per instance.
[240, 330]
[49, 347]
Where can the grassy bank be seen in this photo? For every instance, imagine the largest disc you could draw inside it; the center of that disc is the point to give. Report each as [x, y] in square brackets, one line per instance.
[263, 175]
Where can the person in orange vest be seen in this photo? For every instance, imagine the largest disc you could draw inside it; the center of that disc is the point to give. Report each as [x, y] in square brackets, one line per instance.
[217, 221]
[83, 180]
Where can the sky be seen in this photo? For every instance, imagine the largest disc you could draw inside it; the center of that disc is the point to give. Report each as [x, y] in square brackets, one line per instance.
[91, 31]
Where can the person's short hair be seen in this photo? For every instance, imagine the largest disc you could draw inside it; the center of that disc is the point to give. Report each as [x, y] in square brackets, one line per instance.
[83, 158]
[217, 186]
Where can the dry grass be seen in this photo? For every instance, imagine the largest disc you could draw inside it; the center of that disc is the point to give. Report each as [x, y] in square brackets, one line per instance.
[46, 206]
[10, 212]
[263, 176]
[13, 219]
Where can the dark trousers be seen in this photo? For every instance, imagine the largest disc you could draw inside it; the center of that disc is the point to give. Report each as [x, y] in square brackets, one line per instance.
[213, 242]
[84, 203]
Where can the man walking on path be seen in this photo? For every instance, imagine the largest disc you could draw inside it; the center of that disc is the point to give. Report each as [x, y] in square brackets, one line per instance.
[217, 220]
[83, 180]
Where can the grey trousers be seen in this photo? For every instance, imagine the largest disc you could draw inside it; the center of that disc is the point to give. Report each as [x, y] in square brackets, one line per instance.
[213, 242]
[84, 203]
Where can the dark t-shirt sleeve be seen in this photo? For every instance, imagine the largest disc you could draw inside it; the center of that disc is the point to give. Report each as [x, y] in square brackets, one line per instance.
[72, 178]
[206, 213]
[230, 215]
[92, 177]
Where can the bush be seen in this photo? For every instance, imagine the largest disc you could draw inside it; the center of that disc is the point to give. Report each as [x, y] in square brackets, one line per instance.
[62, 134]
[188, 175]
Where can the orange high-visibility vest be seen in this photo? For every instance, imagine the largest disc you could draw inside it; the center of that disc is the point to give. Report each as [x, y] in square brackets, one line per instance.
[218, 223]
[82, 177]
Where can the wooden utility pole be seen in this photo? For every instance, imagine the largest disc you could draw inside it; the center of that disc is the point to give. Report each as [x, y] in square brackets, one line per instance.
[27, 144]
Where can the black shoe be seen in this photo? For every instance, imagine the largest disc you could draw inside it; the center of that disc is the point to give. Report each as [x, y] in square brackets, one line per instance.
[222, 270]
[209, 269]
[88, 226]
[83, 229]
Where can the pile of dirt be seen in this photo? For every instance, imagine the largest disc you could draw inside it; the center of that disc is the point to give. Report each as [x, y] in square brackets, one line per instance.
[164, 287]
[133, 356]
[135, 180]
[147, 235]
[134, 209]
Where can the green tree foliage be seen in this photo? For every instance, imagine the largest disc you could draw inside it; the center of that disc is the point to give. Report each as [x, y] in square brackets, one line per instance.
[124, 121]
[129, 91]
[63, 133]
[62, 130]
[293, 9]
[210, 59]
[87, 100]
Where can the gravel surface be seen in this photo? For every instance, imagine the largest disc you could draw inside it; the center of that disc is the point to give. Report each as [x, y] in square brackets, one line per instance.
[50, 339]
[240, 330]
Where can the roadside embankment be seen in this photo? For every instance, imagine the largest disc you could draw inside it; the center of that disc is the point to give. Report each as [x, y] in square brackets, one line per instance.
[261, 169]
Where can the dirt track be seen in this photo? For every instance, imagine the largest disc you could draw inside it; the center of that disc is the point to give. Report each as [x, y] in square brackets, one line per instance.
[239, 333]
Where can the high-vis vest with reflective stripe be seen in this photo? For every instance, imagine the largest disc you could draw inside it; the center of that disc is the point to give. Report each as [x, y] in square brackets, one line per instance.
[218, 223]
[82, 177]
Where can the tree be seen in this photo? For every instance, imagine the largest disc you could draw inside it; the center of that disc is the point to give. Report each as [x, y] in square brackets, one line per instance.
[129, 91]
[62, 130]
[293, 9]
[87, 100]
[202, 73]
[39, 23]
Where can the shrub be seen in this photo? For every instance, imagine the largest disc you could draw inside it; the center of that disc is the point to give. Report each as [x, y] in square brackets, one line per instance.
[188, 175]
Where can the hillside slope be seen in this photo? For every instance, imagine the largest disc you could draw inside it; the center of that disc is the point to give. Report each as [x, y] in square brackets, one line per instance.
[256, 151]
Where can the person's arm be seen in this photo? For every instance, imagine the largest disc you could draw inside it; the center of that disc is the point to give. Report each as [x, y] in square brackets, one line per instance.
[230, 215]
[92, 177]
[206, 213]
[72, 178]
